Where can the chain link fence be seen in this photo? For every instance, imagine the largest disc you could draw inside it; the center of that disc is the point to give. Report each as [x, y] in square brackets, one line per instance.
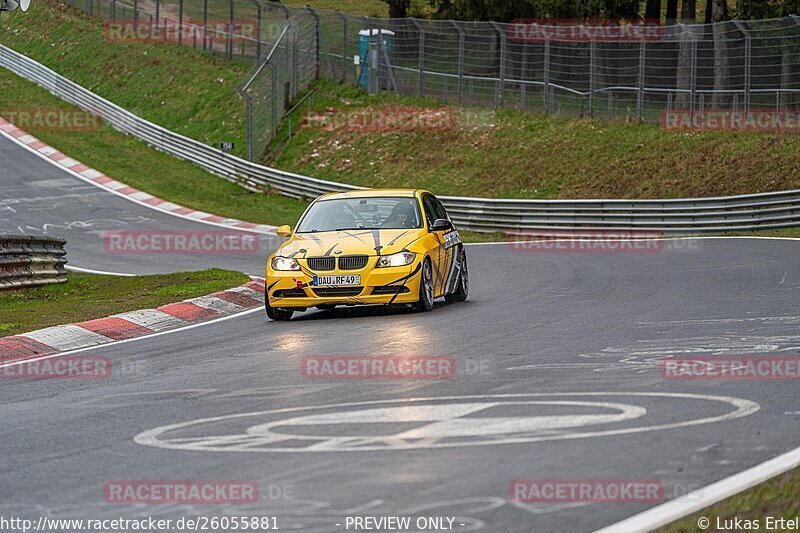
[590, 71]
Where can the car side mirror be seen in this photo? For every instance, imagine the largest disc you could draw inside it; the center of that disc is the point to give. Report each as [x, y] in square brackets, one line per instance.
[283, 231]
[441, 224]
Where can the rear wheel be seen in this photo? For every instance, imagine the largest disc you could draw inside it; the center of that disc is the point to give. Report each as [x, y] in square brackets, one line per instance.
[277, 314]
[462, 290]
[425, 302]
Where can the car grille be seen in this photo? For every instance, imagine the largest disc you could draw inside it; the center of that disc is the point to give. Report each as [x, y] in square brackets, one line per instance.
[338, 291]
[289, 293]
[390, 289]
[321, 263]
[352, 262]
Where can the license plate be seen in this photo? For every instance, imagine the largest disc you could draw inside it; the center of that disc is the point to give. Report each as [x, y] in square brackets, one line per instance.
[352, 279]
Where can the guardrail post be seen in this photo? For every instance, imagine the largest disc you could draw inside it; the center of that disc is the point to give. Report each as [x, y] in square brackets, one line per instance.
[344, 45]
[316, 40]
[546, 74]
[460, 58]
[501, 85]
[640, 91]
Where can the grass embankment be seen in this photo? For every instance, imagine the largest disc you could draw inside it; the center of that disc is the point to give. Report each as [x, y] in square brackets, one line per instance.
[90, 296]
[775, 498]
[501, 154]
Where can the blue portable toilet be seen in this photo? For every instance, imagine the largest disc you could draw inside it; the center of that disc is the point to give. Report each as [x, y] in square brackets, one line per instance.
[387, 45]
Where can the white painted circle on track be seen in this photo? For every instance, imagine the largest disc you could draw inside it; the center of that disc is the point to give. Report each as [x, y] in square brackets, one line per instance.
[446, 422]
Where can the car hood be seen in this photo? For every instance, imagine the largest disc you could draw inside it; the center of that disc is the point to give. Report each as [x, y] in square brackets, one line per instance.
[349, 242]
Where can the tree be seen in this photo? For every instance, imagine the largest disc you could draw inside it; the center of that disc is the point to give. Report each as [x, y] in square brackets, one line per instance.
[719, 14]
[652, 10]
[398, 8]
[672, 11]
[688, 10]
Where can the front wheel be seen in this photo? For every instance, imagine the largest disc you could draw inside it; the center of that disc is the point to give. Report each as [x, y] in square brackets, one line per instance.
[425, 302]
[462, 290]
[277, 314]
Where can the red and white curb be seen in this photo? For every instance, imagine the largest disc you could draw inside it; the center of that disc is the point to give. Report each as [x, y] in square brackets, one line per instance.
[102, 181]
[124, 326]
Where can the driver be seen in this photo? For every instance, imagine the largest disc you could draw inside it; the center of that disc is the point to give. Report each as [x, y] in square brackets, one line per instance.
[403, 215]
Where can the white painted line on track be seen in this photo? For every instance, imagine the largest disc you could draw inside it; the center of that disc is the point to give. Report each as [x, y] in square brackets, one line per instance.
[126, 197]
[706, 496]
[102, 272]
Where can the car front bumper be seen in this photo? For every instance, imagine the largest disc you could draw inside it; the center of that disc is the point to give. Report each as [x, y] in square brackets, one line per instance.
[292, 289]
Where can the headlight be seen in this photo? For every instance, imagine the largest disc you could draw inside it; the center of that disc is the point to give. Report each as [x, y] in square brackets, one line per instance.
[396, 260]
[285, 263]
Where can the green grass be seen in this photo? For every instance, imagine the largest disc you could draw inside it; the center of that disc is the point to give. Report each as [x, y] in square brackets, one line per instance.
[190, 92]
[508, 153]
[90, 296]
[776, 498]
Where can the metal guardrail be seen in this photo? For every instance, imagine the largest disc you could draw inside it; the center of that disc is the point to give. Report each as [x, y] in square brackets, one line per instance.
[29, 261]
[678, 216]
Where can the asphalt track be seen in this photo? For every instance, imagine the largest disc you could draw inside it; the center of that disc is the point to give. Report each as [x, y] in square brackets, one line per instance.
[559, 349]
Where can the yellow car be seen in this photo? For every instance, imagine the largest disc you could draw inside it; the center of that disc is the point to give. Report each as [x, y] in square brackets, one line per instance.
[375, 246]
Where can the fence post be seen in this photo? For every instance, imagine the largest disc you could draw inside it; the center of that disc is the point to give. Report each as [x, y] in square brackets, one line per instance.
[258, 29]
[158, 11]
[373, 60]
[523, 86]
[112, 8]
[501, 86]
[180, 23]
[229, 40]
[546, 86]
[421, 60]
[135, 12]
[344, 45]
[380, 55]
[316, 39]
[748, 48]
[592, 80]
[274, 92]
[640, 93]
[460, 58]
[694, 73]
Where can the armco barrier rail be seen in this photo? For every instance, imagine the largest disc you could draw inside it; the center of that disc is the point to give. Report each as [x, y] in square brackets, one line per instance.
[679, 216]
[28, 261]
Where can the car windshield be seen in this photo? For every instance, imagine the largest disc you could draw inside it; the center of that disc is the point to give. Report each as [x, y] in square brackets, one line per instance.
[361, 213]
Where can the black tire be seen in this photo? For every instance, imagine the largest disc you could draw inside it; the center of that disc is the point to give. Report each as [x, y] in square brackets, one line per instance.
[277, 314]
[425, 302]
[462, 290]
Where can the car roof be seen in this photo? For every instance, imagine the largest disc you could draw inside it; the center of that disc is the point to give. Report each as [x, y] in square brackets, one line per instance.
[370, 193]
